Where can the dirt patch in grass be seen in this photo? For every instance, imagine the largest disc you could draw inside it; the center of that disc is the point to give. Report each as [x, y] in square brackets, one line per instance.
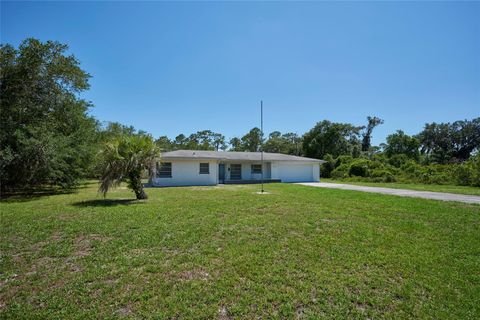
[83, 247]
[51, 270]
[195, 274]
[124, 311]
[223, 313]
[38, 246]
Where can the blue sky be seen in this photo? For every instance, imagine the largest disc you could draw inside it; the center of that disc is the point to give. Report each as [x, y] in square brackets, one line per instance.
[171, 68]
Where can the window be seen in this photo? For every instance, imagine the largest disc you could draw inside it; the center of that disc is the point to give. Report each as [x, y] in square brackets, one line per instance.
[204, 168]
[256, 168]
[164, 170]
[235, 171]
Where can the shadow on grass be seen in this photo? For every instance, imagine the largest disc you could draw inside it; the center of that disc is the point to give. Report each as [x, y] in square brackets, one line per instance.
[107, 202]
[40, 192]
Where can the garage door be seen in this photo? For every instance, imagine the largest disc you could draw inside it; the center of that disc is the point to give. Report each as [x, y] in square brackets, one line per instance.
[295, 172]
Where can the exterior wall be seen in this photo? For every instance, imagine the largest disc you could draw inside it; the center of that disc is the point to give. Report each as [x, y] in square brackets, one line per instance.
[187, 173]
[268, 171]
[316, 172]
[296, 172]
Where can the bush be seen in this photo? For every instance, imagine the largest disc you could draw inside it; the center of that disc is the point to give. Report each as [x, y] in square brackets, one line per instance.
[411, 167]
[343, 160]
[382, 175]
[327, 167]
[463, 174]
[379, 158]
[340, 172]
[400, 168]
[359, 168]
[475, 170]
[398, 160]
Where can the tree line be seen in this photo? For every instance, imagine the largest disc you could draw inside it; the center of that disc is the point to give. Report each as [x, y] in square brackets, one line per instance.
[437, 143]
[48, 138]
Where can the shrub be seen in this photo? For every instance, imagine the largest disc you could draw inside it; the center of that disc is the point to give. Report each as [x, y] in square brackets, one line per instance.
[327, 167]
[402, 169]
[463, 174]
[398, 160]
[411, 167]
[475, 170]
[379, 157]
[359, 168]
[340, 172]
[343, 160]
[382, 175]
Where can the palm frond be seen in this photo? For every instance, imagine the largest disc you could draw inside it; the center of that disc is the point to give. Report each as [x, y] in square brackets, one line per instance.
[124, 156]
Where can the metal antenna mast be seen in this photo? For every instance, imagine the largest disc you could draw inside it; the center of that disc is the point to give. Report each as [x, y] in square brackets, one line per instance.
[261, 139]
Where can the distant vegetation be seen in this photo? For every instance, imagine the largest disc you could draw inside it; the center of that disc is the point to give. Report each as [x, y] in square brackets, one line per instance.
[47, 137]
[444, 153]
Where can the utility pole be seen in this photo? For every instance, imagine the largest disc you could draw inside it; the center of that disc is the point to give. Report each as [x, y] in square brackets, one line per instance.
[261, 137]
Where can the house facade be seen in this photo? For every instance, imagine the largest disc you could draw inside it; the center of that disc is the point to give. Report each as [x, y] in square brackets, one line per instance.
[203, 168]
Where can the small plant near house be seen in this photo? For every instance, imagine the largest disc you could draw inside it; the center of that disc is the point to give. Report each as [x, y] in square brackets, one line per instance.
[125, 159]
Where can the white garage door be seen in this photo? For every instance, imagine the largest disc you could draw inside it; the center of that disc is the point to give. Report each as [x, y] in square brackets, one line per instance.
[295, 172]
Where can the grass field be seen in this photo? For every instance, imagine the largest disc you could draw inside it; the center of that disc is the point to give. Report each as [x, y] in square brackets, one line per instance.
[226, 252]
[412, 186]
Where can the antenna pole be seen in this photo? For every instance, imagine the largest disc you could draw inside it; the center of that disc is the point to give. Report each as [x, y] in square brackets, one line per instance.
[261, 139]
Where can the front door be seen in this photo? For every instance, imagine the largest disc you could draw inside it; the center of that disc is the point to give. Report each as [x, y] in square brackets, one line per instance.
[235, 171]
[221, 173]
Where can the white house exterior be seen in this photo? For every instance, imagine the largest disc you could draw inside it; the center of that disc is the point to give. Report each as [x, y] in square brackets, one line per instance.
[203, 168]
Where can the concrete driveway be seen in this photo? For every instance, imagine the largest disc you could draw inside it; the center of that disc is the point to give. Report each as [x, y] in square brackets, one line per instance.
[399, 192]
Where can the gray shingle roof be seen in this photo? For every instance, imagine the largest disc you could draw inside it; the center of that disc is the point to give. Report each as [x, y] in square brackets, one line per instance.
[233, 156]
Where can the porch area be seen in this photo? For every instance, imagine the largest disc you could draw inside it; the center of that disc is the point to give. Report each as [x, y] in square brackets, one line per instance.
[245, 172]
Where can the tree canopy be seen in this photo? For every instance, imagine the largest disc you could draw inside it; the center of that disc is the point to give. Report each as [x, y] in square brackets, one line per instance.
[367, 134]
[333, 138]
[401, 143]
[46, 134]
[444, 142]
[201, 140]
[287, 143]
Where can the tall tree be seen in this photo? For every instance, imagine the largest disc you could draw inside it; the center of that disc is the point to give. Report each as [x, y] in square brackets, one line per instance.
[333, 138]
[466, 138]
[294, 143]
[112, 130]
[180, 142]
[401, 143]
[457, 141]
[252, 141]
[367, 134]
[200, 140]
[274, 143]
[236, 144]
[288, 143]
[219, 141]
[164, 143]
[46, 135]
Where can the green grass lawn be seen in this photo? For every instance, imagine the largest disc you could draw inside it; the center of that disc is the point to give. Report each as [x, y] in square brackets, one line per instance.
[226, 252]
[412, 186]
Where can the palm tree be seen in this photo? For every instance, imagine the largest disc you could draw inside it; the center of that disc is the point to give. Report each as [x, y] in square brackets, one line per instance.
[125, 159]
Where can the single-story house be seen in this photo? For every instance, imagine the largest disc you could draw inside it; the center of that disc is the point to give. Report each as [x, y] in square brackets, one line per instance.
[202, 168]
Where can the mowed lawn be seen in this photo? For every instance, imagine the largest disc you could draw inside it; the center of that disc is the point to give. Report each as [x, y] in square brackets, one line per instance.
[227, 252]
